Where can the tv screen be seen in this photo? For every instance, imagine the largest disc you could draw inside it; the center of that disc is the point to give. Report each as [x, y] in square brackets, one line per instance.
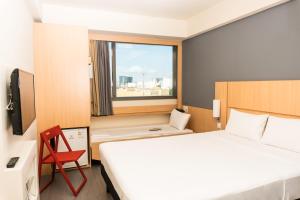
[23, 105]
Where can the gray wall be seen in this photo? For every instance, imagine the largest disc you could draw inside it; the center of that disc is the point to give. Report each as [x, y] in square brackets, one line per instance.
[265, 46]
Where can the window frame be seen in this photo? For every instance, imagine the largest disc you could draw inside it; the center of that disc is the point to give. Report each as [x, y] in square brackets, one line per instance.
[114, 68]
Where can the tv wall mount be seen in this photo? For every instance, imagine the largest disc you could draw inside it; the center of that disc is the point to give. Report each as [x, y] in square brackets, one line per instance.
[10, 105]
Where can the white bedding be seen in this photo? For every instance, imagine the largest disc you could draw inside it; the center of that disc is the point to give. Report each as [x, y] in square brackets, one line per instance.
[135, 132]
[201, 166]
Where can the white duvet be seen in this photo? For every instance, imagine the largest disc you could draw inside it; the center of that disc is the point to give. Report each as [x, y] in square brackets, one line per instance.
[201, 166]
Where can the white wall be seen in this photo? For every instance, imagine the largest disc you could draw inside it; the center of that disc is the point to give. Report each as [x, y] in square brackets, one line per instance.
[224, 12]
[16, 51]
[35, 7]
[113, 21]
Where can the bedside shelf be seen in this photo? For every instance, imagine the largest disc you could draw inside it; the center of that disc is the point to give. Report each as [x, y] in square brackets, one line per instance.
[24, 171]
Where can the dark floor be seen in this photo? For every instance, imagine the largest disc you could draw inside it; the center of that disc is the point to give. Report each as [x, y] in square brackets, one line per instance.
[94, 189]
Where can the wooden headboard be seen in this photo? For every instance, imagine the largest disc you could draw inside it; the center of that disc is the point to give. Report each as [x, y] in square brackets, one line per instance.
[279, 98]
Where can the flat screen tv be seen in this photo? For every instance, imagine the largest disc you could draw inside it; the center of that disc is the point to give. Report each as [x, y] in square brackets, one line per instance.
[22, 101]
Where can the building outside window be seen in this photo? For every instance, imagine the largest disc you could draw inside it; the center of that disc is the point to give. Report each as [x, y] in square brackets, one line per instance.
[143, 71]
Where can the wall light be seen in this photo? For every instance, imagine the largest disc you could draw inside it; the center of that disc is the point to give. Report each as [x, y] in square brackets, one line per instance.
[216, 108]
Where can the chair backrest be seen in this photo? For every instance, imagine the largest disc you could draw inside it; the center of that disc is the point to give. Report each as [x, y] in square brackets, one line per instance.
[53, 134]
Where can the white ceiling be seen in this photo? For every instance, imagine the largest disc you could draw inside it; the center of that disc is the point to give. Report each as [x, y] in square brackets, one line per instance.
[175, 9]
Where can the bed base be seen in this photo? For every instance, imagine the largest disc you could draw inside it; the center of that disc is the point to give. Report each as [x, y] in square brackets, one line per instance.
[109, 186]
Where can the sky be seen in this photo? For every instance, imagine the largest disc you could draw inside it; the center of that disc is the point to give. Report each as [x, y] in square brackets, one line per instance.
[137, 59]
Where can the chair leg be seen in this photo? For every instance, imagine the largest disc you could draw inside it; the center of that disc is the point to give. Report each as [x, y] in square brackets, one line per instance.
[64, 174]
[83, 176]
[81, 171]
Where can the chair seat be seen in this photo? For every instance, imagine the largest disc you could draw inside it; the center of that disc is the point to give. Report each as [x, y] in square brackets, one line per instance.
[64, 157]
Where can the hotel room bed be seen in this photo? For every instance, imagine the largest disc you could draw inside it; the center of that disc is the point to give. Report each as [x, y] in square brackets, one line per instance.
[215, 166]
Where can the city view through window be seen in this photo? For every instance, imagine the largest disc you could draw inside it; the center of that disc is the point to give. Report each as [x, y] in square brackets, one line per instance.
[143, 70]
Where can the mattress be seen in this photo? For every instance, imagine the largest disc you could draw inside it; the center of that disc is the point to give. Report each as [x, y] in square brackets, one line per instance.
[215, 166]
[135, 132]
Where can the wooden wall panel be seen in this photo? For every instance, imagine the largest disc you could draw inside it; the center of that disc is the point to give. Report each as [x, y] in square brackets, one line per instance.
[133, 38]
[277, 97]
[179, 75]
[221, 94]
[201, 120]
[61, 76]
[142, 110]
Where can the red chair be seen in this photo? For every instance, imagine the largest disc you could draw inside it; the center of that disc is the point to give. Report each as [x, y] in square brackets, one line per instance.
[50, 138]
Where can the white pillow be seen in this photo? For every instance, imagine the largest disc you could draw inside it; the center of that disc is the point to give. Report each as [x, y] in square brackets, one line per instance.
[179, 120]
[283, 133]
[246, 125]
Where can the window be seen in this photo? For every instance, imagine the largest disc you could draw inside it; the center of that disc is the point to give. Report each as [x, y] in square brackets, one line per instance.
[143, 71]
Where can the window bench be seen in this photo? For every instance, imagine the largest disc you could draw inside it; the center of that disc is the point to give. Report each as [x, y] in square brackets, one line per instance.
[99, 136]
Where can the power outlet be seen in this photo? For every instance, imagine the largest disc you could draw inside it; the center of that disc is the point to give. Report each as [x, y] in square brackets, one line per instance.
[186, 109]
[219, 125]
